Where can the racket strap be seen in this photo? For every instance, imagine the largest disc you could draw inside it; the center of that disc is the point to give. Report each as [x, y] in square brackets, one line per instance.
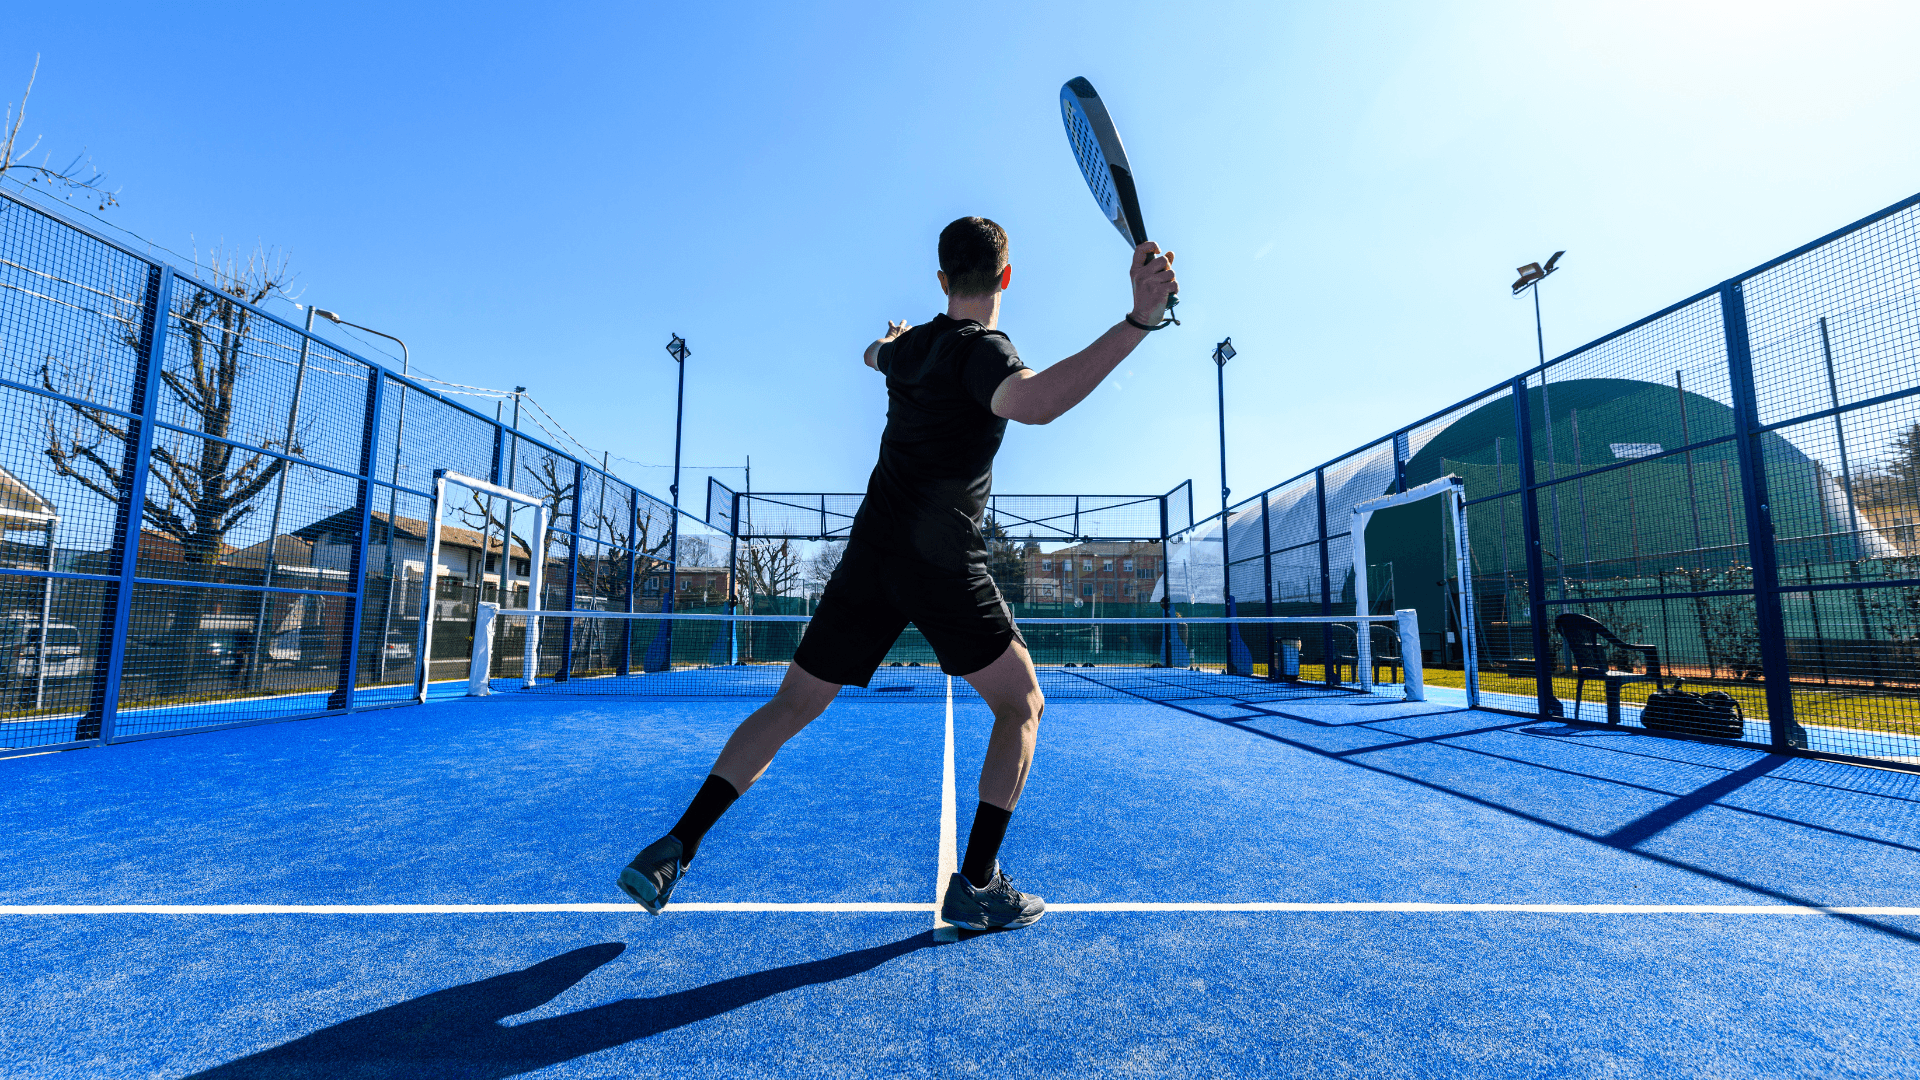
[1170, 321]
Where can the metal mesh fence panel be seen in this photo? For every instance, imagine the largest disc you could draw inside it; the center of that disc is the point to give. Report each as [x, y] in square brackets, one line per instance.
[71, 309]
[1732, 485]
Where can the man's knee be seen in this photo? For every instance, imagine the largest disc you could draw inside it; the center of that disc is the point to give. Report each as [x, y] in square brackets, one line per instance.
[802, 705]
[1025, 712]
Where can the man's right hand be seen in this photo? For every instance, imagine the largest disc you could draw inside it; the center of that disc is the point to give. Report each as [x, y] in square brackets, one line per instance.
[1153, 282]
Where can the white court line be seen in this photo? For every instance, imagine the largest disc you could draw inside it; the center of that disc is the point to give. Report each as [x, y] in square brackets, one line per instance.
[1362, 907]
[949, 822]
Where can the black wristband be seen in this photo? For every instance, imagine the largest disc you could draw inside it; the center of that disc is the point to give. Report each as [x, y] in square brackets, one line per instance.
[1144, 326]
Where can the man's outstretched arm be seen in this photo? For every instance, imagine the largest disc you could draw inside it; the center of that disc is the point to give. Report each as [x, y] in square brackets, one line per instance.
[894, 330]
[1039, 397]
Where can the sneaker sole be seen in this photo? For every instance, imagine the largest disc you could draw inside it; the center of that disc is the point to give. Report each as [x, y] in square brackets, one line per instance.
[985, 924]
[641, 891]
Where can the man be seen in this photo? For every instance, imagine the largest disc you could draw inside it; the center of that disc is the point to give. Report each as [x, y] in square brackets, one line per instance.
[916, 555]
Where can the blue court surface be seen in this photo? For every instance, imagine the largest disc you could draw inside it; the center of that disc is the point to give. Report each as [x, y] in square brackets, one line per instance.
[1302, 886]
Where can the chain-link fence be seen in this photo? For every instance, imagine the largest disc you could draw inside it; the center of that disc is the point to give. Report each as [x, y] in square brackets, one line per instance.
[209, 516]
[1725, 494]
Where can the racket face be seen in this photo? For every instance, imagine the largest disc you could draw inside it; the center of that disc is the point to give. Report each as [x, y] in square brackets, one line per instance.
[1102, 159]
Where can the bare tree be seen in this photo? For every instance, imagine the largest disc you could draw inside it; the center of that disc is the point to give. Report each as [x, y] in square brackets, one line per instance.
[824, 562]
[768, 568]
[697, 551]
[78, 176]
[198, 490]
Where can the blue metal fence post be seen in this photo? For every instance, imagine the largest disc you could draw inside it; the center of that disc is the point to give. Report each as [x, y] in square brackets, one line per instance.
[1547, 702]
[342, 696]
[573, 576]
[1166, 584]
[733, 577]
[1775, 665]
[623, 662]
[104, 702]
[1266, 575]
[1330, 673]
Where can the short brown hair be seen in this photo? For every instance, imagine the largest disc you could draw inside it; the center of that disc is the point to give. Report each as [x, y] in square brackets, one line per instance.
[973, 251]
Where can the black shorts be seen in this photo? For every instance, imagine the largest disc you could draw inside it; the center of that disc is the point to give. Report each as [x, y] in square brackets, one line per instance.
[871, 598]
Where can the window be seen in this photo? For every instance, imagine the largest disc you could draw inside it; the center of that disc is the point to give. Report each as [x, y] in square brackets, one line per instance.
[1087, 566]
[1046, 564]
[1046, 592]
[1106, 564]
[519, 568]
[1127, 589]
[1143, 572]
[1126, 564]
[1107, 589]
[1087, 589]
[652, 585]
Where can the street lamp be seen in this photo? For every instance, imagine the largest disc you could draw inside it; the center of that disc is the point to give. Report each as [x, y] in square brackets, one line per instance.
[393, 489]
[1531, 275]
[1222, 353]
[676, 348]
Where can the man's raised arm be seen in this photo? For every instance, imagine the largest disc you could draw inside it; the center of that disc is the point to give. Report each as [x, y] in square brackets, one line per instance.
[894, 330]
[1039, 397]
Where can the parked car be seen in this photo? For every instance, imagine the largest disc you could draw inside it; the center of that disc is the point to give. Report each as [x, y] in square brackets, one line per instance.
[65, 656]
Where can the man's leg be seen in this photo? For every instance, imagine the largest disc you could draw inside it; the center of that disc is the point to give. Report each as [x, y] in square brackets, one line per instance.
[652, 875]
[1011, 690]
[749, 750]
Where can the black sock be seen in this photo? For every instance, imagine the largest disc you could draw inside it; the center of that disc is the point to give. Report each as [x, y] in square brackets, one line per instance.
[983, 843]
[713, 799]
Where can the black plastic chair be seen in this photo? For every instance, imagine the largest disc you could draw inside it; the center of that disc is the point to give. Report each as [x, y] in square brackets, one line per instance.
[1388, 657]
[1587, 640]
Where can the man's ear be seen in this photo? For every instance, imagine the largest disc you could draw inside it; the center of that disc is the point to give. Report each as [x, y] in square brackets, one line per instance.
[942, 275]
[1006, 277]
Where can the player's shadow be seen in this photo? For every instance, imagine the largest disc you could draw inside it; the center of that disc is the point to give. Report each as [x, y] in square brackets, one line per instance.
[458, 1032]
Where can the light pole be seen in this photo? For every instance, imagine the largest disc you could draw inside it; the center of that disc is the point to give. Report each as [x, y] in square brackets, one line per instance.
[1531, 275]
[393, 488]
[676, 348]
[1222, 353]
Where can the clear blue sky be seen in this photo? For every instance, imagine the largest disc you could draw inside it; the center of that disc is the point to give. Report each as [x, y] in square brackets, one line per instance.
[539, 195]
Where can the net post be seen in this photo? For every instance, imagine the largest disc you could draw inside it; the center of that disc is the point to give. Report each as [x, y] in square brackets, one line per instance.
[1411, 662]
[480, 668]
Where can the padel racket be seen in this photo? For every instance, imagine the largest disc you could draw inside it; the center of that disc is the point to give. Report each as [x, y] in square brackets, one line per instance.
[1103, 161]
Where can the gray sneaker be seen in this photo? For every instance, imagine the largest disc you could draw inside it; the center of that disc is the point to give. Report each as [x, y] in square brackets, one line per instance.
[997, 905]
[649, 879]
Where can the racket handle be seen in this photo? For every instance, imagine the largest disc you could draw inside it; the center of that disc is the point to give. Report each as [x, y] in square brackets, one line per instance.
[1173, 298]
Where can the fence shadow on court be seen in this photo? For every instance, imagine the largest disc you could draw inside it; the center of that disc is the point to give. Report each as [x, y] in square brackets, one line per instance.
[1629, 837]
[458, 1032]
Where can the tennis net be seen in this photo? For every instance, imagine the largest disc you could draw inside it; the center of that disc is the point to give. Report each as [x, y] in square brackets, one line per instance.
[620, 654]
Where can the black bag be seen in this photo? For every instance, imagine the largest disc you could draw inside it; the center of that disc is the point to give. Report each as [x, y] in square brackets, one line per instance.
[1715, 714]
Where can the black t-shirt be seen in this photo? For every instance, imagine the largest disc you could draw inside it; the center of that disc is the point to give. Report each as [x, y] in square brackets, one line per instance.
[930, 488]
